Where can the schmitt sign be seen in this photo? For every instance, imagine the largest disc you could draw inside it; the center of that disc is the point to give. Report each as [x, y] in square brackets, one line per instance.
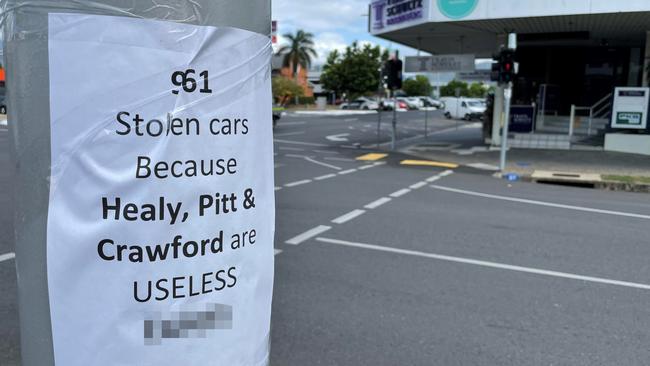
[395, 13]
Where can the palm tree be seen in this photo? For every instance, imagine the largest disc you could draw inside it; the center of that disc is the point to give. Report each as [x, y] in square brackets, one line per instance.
[299, 52]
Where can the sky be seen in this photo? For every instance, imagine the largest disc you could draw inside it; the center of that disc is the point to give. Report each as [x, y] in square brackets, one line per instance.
[334, 23]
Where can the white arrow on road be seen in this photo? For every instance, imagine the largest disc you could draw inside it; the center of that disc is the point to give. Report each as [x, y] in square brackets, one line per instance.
[338, 138]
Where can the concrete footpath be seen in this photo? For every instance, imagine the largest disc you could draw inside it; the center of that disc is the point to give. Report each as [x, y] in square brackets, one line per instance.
[602, 169]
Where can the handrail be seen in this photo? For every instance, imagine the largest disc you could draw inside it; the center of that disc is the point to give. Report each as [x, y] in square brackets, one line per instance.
[592, 114]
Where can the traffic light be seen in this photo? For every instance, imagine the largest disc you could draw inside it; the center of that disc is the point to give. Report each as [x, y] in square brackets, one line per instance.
[507, 66]
[394, 68]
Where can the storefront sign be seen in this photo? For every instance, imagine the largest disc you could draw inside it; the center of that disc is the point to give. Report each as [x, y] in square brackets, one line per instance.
[394, 13]
[522, 118]
[630, 108]
[161, 209]
[440, 63]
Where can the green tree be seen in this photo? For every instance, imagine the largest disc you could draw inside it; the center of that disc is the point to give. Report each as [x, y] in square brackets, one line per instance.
[477, 90]
[299, 52]
[452, 87]
[419, 86]
[284, 89]
[355, 71]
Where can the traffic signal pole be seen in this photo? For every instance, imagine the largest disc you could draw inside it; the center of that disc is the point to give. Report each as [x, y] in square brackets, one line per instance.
[507, 93]
[508, 74]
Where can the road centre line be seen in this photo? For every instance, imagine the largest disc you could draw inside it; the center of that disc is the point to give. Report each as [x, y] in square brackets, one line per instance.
[277, 251]
[326, 176]
[542, 203]
[488, 264]
[418, 185]
[308, 234]
[7, 256]
[322, 164]
[297, 183]
[348, 216]
[377, 203]
[400, 193]
[347, 171]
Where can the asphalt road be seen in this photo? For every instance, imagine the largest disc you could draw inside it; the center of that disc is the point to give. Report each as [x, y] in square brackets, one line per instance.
[379, 263]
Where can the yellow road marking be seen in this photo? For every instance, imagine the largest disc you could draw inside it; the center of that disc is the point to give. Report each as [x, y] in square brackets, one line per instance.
[429, 163]
[372, 156]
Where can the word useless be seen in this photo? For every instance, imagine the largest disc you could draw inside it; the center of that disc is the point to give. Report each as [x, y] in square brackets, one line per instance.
[174, 126]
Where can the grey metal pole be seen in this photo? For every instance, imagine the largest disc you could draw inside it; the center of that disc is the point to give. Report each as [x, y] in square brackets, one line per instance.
[378, 126]
[393, 138]
[507, 93]
[426, 122]
[26, 61]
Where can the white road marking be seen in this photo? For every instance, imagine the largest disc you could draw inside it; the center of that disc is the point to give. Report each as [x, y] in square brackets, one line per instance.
[278, 188]
[433, 179]
[348, 171]
[276, 251]
[483, 166]
[289, 133]
[275, 166]
[7, 256]
[483, 263]
[418, 185]
[377, 203]
[291, 148]
[350, 119]
[348, 216]
[337, 159]
[446, 173]
[293, 184]
[296, 156]
[542, 203]
[326, 176]
[292, 123]
[363, 167]
[308, 234]
[322, 164]
[300, 143]
[338, 137]
[325, 152]
[399, 193]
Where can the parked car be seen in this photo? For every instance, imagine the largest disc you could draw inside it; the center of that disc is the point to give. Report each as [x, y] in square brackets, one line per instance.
[361, 103]
[431, 103]
[411, 102]
[389, 104]
[465, 108]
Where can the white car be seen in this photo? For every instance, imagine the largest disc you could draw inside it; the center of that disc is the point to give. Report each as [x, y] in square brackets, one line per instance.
[361, 103]
[389, 105]
[412, 103]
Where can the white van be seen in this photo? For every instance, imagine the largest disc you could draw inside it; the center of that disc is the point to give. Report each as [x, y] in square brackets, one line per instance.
[465, 108]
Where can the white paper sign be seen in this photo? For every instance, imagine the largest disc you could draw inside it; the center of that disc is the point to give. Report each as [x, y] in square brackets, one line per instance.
[161, 214]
